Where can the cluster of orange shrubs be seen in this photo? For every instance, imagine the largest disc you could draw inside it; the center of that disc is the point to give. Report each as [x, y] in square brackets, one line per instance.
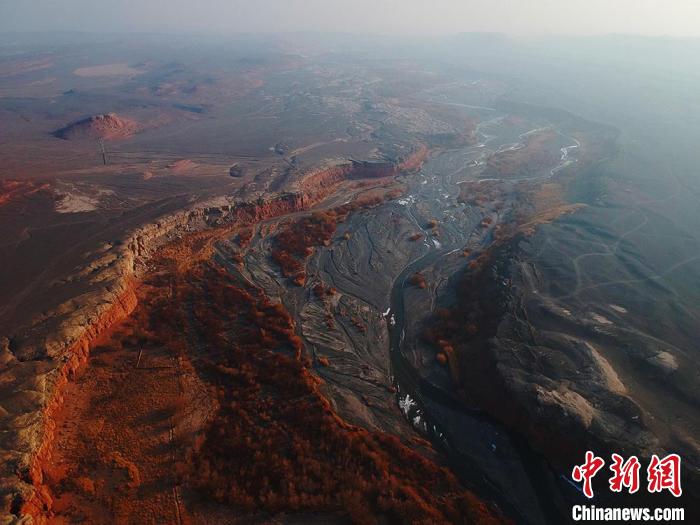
[417, 279]
[321, 290]
[454, 331]
[244, 237]
[275, 444]
[296, 241]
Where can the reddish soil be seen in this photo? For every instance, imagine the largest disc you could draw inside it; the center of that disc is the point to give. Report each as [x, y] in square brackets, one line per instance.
[114, 450]
[14, 189]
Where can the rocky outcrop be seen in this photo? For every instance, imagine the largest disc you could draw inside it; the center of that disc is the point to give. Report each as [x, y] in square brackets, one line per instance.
[107, 126]
[236, 171]
[39, 397]
[251, 212]
[34, 370]
[320, 182]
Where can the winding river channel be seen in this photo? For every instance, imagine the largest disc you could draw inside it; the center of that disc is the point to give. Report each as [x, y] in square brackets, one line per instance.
[491, 459]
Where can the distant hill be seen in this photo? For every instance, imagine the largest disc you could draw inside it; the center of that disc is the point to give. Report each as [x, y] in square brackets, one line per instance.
[105, 126]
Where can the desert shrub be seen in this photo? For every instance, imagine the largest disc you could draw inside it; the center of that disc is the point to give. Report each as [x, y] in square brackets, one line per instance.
[417, 279]
[244, 236]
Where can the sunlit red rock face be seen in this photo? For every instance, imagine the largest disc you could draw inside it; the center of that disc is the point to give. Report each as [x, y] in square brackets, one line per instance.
[321, 182]
[77, 358]
[107, 126]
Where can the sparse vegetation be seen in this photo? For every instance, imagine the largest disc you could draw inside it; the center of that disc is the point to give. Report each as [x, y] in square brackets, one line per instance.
[275, 444]
[296, 241]
[244, 237]
[455, 331]
[322, 291]
[417, 279]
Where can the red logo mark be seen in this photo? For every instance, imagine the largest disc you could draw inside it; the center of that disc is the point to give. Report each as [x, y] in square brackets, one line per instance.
[586, 472]
[665, 474]
[625, 474]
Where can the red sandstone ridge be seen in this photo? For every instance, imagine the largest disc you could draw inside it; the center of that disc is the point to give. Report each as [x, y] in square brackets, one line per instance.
[106, 126]
[319, 183]
[23, 493]
[75, 358]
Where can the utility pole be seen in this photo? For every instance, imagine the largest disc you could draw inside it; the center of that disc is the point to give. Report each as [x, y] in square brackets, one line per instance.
[104, 153]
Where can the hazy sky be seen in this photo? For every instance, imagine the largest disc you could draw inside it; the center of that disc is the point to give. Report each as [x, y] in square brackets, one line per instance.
[657, 17]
